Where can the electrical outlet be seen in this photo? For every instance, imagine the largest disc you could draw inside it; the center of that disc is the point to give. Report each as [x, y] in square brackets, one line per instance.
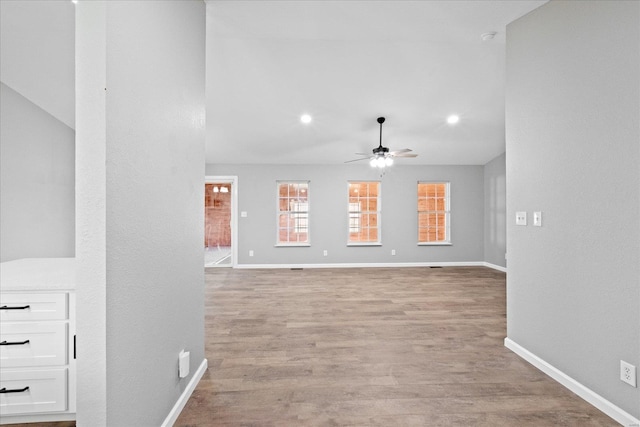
[393, 251]
[251, 253]
[537, 219]
[183, 364]
[521, 218]
[325, 253]
[628, 373]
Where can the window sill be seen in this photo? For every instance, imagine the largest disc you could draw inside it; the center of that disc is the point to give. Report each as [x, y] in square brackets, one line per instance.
[365, 244]
[292, 245]
[435, 244]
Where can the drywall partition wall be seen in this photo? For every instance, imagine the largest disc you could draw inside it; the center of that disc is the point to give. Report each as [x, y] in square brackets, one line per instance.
[141, 125]
[91, 182]
[257, 196]
[573, 153]
[37, 193]
[495, 211]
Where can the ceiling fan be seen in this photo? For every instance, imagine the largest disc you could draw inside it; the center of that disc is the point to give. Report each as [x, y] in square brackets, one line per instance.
[382, 157]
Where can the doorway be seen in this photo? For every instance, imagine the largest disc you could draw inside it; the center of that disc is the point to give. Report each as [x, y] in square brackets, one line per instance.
[219, 221]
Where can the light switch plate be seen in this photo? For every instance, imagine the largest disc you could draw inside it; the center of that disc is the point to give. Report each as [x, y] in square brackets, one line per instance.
[537, 219]
[521, 218]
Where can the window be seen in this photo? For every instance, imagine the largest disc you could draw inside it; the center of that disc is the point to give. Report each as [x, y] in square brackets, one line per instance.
[364, 213]
[293, 213]
[433, 213]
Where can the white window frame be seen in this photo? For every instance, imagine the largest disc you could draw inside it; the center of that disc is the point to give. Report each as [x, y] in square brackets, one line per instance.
[447, 212]
[354, 217]
[301, 218]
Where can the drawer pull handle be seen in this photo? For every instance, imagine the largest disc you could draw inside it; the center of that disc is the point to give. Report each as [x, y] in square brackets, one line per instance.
[24, 307]
[14, 343]
[15, 390]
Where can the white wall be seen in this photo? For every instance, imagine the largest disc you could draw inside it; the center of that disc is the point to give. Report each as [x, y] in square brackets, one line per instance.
[573, 152]
[140, 137]
[37, 194]
[329, 221]
[495, 211]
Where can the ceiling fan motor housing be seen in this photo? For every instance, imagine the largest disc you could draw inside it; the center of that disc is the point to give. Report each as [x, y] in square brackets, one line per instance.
[380, 150]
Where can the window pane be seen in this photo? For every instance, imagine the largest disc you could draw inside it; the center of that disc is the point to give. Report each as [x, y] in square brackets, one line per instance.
[433, 212]
[293, 212]
[363, 208]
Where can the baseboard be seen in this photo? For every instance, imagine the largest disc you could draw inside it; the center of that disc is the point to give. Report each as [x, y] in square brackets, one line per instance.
[186, 394]
[618, 414]
[368, 265]
[495, 267]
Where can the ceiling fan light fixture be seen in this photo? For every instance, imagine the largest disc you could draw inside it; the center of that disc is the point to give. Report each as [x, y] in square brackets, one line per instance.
[381, 156]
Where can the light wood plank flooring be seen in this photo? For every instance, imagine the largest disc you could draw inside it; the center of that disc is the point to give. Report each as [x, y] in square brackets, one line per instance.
[369, 347]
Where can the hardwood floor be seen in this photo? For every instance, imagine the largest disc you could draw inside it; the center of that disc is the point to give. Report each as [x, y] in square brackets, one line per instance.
[369, 347]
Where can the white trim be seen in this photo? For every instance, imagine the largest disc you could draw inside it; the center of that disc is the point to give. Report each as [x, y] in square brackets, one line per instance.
[495, 267]
[184, 397]
[618, 414]
[366, 265]
[233, 180]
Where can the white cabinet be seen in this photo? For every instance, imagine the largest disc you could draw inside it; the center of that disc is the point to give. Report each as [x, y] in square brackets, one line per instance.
[37, 360]
[35, 391]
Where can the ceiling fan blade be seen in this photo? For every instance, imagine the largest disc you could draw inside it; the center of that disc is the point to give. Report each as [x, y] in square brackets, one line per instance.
[404, 150]
[357, 160]
[405, 155]
[363, 154]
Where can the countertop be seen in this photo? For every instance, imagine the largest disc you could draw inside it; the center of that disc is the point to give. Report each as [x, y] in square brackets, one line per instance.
[38, 274]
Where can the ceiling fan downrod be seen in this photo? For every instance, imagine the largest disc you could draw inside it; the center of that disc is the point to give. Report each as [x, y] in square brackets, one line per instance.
[380, 150]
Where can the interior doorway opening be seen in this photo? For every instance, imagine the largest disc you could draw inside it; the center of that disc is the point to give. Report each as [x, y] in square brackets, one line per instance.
[219, 224]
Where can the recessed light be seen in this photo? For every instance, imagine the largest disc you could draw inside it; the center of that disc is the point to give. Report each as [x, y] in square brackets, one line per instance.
[305, 118]
[453, 119]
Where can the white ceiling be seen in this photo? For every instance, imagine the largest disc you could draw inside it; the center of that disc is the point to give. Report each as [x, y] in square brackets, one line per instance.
[38, 58]
[348, 62]
[344, 62]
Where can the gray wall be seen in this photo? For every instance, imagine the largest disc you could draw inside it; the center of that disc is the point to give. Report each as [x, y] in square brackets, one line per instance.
[573, 152]
[495, 211]
[140, 137]
[37, 194]
[328, 219]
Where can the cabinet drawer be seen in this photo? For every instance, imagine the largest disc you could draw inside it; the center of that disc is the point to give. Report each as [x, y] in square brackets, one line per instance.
[33, 391]
[35, 306]
[33, 344]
